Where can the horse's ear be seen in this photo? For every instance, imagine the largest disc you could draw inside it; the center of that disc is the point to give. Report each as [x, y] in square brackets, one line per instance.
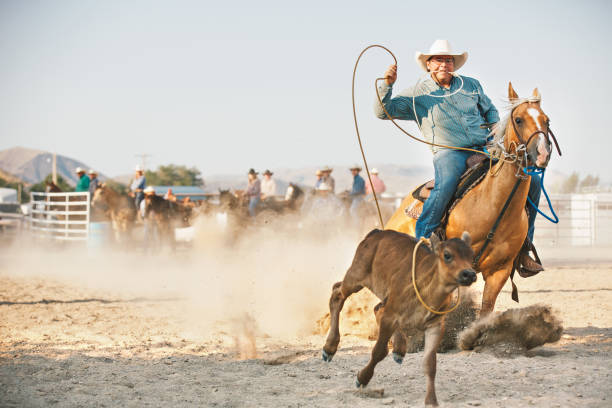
[512, 95]
[466, 238]
[535, 94]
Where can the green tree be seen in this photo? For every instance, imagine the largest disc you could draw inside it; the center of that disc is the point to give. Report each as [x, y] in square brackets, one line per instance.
[589, 181]
[61, 183]
[570, 184]
[173, 175]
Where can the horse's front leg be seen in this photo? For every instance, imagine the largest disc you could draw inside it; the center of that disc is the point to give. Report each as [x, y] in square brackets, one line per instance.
[493, 285]
[433, 335]
[381, 349]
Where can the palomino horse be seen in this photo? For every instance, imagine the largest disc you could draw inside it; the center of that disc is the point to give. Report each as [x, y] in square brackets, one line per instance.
[525, 136]
[121, 208]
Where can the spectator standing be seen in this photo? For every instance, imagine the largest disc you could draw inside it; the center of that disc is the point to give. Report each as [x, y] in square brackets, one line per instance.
[138, 185]
[253, 191]
[94, 182]
[357, 191]
[319, 175]
[83, 183]
[170, 195]
[379, 185]
[268, 186]
[328, 179]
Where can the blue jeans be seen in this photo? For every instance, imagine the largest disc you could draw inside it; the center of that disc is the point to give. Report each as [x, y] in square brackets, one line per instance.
[253, 202]
[449, 165]
[355, 206]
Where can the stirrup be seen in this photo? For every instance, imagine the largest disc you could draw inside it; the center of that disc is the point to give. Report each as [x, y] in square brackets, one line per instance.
[536, 267]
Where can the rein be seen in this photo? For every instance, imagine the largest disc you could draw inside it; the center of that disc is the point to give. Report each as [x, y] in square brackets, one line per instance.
[416, 290]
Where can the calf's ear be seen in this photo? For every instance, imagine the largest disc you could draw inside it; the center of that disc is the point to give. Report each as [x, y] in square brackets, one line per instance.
[466, 238]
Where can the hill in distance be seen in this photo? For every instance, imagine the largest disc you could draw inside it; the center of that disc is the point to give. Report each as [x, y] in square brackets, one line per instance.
[32, 166]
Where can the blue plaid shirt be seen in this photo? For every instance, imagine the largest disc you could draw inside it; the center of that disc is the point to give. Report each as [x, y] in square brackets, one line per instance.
[454, 120]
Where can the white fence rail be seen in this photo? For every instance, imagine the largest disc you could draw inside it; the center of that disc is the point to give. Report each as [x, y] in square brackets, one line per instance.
[60, 216]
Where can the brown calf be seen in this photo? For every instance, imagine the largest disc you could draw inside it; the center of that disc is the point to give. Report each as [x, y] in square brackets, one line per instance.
[383, 264]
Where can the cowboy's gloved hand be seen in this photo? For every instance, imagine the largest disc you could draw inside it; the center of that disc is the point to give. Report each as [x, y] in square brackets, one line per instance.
[391, 74]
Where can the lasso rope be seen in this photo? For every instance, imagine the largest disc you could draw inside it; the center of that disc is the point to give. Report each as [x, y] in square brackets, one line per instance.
[416, 290]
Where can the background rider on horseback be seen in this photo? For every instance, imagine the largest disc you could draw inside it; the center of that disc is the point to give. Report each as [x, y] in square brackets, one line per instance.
[451, 110]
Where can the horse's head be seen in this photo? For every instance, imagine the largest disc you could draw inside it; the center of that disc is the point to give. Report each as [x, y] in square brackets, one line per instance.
[100, 195]
[528, 130]
[227, 200]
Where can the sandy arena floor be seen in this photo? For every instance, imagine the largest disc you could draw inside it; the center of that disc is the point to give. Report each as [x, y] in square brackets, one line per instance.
[70, 342]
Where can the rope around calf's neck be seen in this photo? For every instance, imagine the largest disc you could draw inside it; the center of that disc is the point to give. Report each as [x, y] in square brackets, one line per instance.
[416, 290]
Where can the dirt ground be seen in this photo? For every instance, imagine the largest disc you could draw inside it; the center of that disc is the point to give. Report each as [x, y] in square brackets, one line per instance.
[70, 341]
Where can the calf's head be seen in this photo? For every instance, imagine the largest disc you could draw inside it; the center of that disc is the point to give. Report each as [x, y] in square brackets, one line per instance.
[454, 258]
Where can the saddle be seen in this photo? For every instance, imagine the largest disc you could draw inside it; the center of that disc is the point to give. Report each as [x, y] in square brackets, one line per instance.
[477, 167]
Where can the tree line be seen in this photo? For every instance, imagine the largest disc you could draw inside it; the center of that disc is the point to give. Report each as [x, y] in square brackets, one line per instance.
[165, 175]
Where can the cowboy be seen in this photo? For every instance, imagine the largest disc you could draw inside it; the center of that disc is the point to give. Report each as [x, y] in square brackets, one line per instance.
[379, 185]
[268, 186]
[451, 110]
[328, 179]
[93, 181]
[138, 185]
[83, 183]
[357, 191]
[253, 191]
[319, 175]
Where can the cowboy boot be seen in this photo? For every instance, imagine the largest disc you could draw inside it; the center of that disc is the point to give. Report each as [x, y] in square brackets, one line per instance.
[529, 266]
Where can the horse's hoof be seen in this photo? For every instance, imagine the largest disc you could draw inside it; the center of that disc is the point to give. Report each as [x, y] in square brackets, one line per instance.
[358, 384]
[327, 357]
[398, 358]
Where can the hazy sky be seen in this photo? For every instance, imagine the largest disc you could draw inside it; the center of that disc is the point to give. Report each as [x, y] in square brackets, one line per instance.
[226, 86]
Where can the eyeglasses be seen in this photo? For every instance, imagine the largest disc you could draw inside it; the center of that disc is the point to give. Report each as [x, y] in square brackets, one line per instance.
[440, 60]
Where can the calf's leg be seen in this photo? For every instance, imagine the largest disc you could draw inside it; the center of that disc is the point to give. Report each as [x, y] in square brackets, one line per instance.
[380, 350]
[433, 335]
[399, 340]
[340, 292]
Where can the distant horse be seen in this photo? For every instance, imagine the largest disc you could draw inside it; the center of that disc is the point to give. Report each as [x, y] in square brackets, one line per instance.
[161, 215]
[524, 136]
[121, 209]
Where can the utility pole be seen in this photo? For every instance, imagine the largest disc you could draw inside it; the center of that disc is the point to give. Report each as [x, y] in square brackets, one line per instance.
[143, 160]
[54, 169]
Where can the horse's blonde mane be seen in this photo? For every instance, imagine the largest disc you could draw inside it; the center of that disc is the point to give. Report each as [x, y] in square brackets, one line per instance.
[499, 129]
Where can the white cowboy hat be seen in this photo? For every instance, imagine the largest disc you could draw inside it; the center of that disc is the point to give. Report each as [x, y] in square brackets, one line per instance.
[79, 170]
[440, 47]
[149, 190]
[327, 168]
[374, 171]
[138, 168]
[92, 171]
[355, 167]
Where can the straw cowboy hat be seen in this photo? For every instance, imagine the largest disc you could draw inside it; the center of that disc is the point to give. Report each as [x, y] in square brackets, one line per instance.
[92, 171]
[268, 172]
[79, 170]
[327, 169]
[355, 167]
[440, 47]
[374, 171]
[149, 190]
[319, 173]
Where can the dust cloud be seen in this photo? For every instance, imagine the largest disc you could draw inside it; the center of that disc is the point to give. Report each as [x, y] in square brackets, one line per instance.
[271, 280]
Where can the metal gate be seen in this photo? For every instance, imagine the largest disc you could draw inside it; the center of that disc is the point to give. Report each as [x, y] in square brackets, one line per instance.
[60, 216]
